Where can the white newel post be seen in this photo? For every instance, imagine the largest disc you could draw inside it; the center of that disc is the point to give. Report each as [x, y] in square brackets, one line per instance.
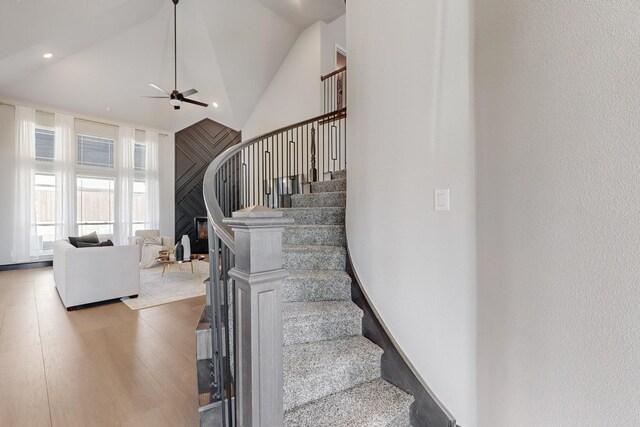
[258, 275]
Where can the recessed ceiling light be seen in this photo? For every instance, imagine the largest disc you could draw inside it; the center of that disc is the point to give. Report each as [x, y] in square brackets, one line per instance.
[47, 55]
[215, 104]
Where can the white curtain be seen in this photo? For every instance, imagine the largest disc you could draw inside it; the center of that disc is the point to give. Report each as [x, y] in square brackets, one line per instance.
[25, 241]
[126, 147]
[64, 165]
[152, 182]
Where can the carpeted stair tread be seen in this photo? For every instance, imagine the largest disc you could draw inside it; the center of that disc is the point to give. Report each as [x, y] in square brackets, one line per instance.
[324, 310]
[329, 186]
[313, 257]
[316, 285]
[336, 199]
[376, 403]
[332, 374]
[339, 174]
[318, 369]
[320, 321]
[328, 235]
[305, 216]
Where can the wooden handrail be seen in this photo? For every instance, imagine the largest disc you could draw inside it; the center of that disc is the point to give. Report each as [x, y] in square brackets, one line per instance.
[333, 73]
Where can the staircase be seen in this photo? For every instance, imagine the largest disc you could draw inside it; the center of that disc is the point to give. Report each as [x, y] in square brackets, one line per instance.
[331, 372]
[280, 341]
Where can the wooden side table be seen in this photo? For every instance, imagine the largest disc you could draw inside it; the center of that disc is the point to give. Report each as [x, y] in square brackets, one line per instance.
[167, 262]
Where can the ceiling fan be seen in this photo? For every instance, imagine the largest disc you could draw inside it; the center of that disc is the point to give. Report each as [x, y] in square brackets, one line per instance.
[176, 98]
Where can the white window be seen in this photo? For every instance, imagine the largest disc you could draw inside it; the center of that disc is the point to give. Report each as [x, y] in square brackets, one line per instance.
[95, 151]
[139, 188]
[139, 205]
[44, 144]
[96, 209]
[45, 210]
[140, 157]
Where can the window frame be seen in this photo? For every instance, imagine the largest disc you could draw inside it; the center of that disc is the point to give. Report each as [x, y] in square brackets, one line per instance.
[144, 222]
[46, 249]
[90, 175]
[43, 167]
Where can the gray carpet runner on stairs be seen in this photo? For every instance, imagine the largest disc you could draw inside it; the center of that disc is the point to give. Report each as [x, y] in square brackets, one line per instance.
[331, 372]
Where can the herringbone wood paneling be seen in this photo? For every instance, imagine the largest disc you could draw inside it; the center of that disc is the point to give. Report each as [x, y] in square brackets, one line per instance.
[196, 147]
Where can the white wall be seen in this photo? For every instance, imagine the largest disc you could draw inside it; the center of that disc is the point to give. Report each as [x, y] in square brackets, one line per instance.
[166, 154]
[295, 93]
[335, 33]
[7, 178]
[408, 134]
[558, 136]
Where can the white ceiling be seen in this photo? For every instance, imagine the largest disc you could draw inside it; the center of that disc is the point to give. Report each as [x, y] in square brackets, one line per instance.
[305, 12]
[107, 51]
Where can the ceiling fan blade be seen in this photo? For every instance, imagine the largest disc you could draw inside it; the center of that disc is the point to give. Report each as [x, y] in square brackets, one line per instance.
[191, 101]
[159, 88]
[189, 92]
[163, 97]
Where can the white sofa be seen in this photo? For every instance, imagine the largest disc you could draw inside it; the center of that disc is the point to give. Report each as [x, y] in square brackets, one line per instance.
[87, 275]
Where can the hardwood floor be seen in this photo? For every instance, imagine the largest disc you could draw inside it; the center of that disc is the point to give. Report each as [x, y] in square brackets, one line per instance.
[100, 366]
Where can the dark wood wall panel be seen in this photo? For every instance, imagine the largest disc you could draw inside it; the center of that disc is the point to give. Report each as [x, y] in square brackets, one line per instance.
[196, 147]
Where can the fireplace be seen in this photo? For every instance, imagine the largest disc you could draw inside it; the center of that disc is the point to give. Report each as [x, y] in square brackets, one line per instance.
[201, 231]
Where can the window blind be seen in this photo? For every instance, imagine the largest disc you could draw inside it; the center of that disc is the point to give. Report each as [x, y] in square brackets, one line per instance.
[44, 145]
[95, 151]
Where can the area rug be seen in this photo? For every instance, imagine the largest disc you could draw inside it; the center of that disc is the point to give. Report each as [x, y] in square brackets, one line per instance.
[176, 285]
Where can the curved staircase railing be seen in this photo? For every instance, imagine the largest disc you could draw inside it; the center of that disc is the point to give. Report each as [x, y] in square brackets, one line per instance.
[265, 171]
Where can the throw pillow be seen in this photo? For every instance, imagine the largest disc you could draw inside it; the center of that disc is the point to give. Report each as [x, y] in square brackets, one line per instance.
[149, 241]
[89, 238]
[95, 245]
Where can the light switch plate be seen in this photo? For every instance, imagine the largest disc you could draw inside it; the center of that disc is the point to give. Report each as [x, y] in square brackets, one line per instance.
[441, 200]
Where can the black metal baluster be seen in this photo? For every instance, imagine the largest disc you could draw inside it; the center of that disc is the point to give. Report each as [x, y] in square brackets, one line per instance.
[273, 159]
[254, 171]
[333, 94]
[227, 366]
[267, 187]
[280, 169]
[217, 383]
[232, 263]
[325, 145]
[314, 171]
[305, 154]
[261, 181]
[232, 187]
[334, 145]
[296, 173]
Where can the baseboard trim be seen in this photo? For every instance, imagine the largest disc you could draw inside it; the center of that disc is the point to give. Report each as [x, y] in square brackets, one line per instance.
[26, 265]
[427, 410]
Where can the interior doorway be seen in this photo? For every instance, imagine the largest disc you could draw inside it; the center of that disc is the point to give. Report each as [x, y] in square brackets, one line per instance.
[341, 58]
[341, 64]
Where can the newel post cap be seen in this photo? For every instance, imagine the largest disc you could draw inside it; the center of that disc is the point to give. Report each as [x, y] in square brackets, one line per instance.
[257, 217]
[258, 238]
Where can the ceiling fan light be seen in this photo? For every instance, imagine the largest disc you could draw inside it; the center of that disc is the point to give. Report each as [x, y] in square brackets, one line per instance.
[175, 102]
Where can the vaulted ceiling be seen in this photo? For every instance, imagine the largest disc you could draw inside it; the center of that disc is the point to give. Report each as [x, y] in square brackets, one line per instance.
[106, 52]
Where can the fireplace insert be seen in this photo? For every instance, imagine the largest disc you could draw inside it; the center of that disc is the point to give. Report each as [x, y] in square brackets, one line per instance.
[201, 231]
